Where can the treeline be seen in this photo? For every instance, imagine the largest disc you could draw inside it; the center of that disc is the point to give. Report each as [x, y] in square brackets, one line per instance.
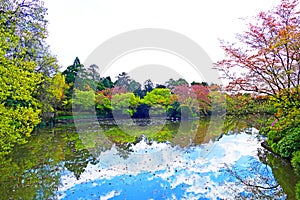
[85, 90]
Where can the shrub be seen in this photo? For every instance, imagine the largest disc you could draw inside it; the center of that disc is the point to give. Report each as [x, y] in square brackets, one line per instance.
[296, 162]
[298, 191]
[284, 135]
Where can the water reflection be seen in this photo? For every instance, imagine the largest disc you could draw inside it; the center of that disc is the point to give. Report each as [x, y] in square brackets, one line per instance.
[198, 161]
[167, 172]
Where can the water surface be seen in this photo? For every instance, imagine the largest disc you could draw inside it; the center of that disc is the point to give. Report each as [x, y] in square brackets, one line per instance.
[197, 161]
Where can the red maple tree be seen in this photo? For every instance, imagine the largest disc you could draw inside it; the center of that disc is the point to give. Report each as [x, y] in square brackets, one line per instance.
[268, 54]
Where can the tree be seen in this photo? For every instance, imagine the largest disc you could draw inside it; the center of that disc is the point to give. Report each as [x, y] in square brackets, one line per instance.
[93, 72]
[134, 87]
[57, 90]
[160, 96]
[148, 85]
[123, 80]
[159, 99]
[91, 76]
[103, 103]
[172, 83]
[104, 83]
[187, 99]
[72, 71]
[84, 100]
[202, 94]
[19, 110]
[27, 20]
[125, 103]
[81, 78]
[268, 54]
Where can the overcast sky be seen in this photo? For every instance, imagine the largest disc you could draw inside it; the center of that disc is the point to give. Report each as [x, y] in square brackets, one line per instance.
[77, 27]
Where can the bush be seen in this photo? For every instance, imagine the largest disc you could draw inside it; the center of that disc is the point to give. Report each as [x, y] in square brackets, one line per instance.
[296, 162]
[296, 165]
[298, 191]
[284, 134]
[284, 138]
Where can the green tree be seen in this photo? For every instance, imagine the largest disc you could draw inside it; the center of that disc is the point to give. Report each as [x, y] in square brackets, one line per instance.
[104, 83]
[84, 100]
[19, 110]
[172, 83]
[57, 90]
[160, 96]
[28, 21]
[103, 104]
[125, 103]
[72, 73]
[159, 99]
[93, 72]
[148, 85]
[123, 80]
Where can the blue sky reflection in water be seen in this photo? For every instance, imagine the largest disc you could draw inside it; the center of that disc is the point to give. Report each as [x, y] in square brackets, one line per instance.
[159, 171]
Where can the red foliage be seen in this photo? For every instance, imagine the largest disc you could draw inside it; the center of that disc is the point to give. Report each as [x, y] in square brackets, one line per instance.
[118, 90]
[201, 93]
[267, 54]
[183, 92]
[106, 93]
[194, 96]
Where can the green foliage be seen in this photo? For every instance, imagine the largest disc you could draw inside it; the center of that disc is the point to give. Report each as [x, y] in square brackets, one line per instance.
[218, 101]
[244, 104]
[104, 83]
[284, 134]
[171, 83]
[58, 86]
[161, 96]
[125, 103]
[19, 109]
[72, 71]
[38, 165]
[159, 99]
[161, 136]
[284, 137]
[298, 191]
[296, 162]
[84, 100]
[16, 124]
[289, 144]
[27, 21]
[103, 104]
[56, 90]
[118, 136]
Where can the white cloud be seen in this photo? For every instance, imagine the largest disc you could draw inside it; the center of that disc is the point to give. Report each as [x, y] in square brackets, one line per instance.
[110, 195]
[172, 165]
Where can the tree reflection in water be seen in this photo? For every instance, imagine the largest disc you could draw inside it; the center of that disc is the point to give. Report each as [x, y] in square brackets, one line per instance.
[40, 168]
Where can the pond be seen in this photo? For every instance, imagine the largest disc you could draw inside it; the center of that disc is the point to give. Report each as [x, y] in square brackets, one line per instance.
[147, 159]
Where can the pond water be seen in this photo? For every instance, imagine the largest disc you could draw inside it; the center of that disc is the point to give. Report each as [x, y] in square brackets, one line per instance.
[200, 159]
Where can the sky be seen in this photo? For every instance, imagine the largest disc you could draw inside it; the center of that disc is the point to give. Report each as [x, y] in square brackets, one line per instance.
[78, 27]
